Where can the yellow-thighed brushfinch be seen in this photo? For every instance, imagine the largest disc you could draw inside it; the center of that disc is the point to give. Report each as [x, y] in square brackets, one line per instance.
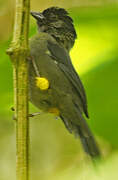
[54, 85]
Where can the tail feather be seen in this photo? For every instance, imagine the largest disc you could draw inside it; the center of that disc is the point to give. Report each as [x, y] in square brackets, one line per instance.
[87, 139]
[89, 144]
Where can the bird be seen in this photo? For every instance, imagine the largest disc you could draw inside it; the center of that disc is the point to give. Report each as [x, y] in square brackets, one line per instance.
[65, 95]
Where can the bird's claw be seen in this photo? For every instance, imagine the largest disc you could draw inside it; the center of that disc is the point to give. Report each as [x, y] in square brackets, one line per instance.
[29, 115]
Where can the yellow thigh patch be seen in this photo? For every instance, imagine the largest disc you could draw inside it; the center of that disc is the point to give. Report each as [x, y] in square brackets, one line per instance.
[42, 83]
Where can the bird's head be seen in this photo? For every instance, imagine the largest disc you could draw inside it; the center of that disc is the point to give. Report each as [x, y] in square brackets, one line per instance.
[58, 24]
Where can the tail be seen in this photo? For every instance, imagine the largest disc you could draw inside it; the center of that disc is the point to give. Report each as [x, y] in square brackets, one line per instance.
[87, 139]
[89, 144]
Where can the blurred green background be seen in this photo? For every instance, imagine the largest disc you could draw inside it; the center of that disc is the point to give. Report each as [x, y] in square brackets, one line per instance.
[54, 152]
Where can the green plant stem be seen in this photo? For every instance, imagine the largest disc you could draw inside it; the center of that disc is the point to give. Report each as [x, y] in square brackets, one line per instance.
[18, 53]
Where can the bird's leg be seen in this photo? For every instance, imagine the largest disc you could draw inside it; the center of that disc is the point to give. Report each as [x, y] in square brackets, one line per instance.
[34, 114]
[30, 115]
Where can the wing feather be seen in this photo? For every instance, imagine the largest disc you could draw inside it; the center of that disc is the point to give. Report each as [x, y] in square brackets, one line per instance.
[64, 62]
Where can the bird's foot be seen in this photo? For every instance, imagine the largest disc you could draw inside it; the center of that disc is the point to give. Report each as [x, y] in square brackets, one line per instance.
[34, 114]
[29, 115]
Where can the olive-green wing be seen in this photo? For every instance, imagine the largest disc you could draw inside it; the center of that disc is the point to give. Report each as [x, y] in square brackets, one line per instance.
[61, 56]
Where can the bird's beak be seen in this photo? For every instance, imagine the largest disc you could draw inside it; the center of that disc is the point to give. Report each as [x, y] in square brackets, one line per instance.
[37, 15]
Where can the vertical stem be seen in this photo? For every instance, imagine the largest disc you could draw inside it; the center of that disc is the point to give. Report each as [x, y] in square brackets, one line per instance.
[18, 53]
[22, 124]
